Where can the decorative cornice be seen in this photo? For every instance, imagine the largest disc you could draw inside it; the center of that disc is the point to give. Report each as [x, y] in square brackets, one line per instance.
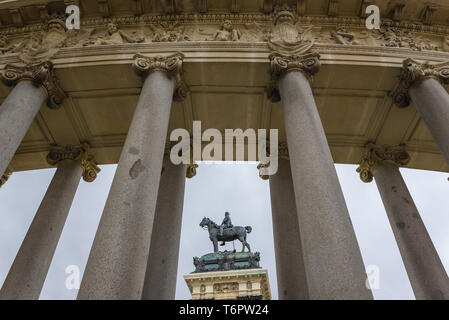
[80, 154]
[41, 74]
[308, 64]
[413, 73]
[374, 155]
[171, 64]
[5, 176]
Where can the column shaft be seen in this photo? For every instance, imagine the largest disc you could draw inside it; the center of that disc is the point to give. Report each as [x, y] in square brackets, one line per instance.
[291, 275]
[29, 270]
[162, 267]
[432, 102]
[424, 268]
[333, 262]
[117, 262]
[17, 113]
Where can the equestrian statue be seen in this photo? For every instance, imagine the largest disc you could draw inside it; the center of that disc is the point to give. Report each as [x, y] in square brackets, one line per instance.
[226, 232]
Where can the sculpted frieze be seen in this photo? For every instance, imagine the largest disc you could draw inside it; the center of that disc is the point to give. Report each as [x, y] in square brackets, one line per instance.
[284, 32]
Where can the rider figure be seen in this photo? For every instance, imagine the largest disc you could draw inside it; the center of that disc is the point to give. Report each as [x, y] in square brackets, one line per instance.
[225, 224]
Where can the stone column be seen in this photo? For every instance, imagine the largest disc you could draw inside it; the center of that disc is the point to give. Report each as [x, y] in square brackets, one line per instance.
[162, 266]
[332, 258]
[29, 270]
[422, 84]
[33, 83]
[117, 262]
[424, 268]
[290, 270]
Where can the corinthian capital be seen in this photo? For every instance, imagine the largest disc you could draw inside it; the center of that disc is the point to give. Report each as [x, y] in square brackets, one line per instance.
[80, 154]
[374, 155]
[308, 64]
[172, 65]
[42, 75]
[413, 72]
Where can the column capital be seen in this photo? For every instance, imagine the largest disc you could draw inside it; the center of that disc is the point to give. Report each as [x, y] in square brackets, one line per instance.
[172, 65]
[413, 72]
[42, 75]
[374, 155]
[8, 172]
[80, 154]
[307, 63]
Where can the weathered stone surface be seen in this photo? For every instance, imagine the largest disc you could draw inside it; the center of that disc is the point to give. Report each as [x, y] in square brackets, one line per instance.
[424, 268]
[432, 102]
[291, 274]
[117, 262]
[162, 266]
[17, 113]
[29, 270]
[333, 263]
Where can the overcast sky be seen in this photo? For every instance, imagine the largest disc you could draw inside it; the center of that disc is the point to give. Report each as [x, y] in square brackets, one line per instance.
[216, 189]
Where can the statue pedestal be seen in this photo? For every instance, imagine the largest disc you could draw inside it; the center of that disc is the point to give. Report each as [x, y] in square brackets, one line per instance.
[244, 284]
[228, 276]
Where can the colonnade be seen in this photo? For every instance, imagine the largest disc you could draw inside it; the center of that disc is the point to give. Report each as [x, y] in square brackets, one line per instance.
[135, 253]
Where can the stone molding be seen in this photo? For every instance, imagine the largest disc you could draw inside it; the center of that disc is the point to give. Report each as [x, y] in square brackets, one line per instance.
[172, 65]
[374, 155]
[80, 154]
[42, 75]
[414, 72]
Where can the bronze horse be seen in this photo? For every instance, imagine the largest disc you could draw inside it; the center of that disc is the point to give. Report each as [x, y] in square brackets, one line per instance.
[229, 234]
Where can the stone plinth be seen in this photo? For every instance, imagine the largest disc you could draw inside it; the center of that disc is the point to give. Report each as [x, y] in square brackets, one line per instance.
[224, 261]
[252, 284]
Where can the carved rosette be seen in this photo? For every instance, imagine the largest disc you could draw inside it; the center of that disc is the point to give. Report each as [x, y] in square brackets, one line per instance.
[172, 65]
[412, 73]
[80, 154]
[308, 64]
[42, 75]
[5, 176]
[374, 155]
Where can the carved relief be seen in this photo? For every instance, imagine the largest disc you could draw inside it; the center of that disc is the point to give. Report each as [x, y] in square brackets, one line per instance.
[445, 45]
[374, 155]
[168, 32]
[287, 37]
[81, 155]
[227, 32]
[41, 74]
[413, 72]
[292, 50]
[226, 287]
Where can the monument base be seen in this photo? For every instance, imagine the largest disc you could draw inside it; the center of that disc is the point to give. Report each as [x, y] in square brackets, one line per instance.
[244, 284]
